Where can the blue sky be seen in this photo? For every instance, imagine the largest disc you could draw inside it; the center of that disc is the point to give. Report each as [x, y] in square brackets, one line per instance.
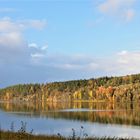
[56, 40]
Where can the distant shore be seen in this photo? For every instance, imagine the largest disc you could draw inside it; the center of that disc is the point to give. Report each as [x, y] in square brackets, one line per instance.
[110, 89]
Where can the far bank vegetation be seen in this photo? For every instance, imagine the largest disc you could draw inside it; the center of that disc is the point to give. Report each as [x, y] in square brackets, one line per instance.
[124, 88]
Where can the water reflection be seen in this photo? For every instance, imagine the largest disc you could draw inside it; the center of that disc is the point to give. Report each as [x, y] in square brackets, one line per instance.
[64, 127]
[98, 119]
[108, 113]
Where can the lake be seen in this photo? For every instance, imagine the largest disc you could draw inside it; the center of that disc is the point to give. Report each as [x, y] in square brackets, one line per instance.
[94, 119]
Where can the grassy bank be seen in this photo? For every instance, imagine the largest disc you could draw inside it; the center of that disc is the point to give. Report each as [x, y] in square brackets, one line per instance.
[23, 134]
[8, 135]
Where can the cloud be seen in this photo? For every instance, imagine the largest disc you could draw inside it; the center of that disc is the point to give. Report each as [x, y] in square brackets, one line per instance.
[6, 25]
[79, 62]
[13, 44]
[18, 58]
[38, 53]
[33, 45]
[37, 58]
[55, 67]
[121, 63]
[31, 62]
[37, 48]
[129, 61]
[122, 9]
[11, 40]
[44, 48]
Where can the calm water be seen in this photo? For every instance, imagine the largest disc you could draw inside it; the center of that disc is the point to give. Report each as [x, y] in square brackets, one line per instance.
[98, 119]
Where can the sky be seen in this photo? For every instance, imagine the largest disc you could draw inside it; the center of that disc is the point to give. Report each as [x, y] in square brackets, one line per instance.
[58, 40]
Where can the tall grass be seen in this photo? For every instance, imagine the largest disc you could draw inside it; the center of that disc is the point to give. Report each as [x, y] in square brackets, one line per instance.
[22, 134]
[26, 136]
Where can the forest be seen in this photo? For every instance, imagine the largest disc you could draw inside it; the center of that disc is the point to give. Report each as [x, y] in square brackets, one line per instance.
[123, 88]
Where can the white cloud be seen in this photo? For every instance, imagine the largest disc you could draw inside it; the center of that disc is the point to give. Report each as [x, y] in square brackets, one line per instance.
[68, 66]
[123, 52]
[14, 45]
[78, 66]
[37, 58]
[122, 9]
[33, 45]
[6, 25]
[12, 41]
[131, 59]
[121, 63]
[39, 53]
[44, 48]
[78, 62]
[13, 48]
[16, 54]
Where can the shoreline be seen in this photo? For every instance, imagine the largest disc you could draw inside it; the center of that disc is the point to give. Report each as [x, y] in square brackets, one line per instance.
[9, 135]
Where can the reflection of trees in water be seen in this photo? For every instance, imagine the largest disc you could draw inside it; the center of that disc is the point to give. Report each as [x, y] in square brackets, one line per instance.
[119, 113]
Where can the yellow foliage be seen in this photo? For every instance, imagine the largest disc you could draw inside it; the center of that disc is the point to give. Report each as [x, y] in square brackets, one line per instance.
[90, 93]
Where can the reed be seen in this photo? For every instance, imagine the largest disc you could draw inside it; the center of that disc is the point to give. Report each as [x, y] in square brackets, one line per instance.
[22, 134]
[7, 135]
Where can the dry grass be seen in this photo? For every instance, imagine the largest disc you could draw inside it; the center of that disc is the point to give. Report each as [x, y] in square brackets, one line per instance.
[8, 135]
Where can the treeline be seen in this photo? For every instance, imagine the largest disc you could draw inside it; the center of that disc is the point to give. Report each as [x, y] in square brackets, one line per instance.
[124, 88]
